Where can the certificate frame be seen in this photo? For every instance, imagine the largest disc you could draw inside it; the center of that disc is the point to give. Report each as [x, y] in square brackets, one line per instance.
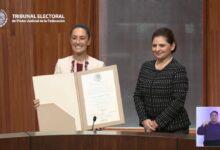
[62, 90]
[113, 69]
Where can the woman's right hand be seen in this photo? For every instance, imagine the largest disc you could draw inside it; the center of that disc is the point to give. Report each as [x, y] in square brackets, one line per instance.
[36, 103]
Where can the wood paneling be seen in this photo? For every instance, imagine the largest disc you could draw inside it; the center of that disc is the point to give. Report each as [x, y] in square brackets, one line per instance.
[104, 141]
[15, 76]
[51, 41]
[100, 140]
[28, 49]
[16, 141]
[212, 53]
[186, 144]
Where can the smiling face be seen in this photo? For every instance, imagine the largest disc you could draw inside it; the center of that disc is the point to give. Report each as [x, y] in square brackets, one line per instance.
[161, 48]
[79, 41]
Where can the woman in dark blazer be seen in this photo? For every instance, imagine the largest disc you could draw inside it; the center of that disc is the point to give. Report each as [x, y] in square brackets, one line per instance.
[161, 88]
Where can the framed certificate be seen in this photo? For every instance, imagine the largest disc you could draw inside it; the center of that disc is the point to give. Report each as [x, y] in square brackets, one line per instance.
[83, 96]
[100, 97]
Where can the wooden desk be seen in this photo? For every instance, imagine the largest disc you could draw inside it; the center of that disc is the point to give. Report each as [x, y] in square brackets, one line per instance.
[101, 140]
[14, 141]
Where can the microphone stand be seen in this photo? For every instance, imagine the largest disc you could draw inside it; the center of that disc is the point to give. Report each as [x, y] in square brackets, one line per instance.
[93, 123]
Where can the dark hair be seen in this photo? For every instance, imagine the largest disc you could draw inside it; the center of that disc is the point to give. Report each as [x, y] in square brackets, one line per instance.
[168, 34]
[213, 112]
[83, 26]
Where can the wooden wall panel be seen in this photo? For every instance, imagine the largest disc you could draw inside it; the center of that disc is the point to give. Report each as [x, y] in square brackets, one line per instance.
[28, 49]
[17, 112]
[212, 53]
[52, 40]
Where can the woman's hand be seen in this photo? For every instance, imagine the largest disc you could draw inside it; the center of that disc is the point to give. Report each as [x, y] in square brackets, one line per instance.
[155, 125]
[36, 103]
[149, 125]
[148, 130]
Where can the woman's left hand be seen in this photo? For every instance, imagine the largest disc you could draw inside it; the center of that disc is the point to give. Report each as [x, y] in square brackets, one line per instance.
[155, 125]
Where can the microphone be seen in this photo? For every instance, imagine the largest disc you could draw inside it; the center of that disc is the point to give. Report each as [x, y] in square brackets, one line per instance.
[93, 123]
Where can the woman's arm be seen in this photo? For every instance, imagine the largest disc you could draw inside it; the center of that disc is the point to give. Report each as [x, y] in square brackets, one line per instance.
[139, 99]
[179, 91]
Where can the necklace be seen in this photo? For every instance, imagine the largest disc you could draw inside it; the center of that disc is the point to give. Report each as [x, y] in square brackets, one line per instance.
[163, 65]
[84, 65]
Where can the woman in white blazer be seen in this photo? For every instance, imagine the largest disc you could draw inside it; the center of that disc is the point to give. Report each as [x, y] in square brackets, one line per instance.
[80, 61]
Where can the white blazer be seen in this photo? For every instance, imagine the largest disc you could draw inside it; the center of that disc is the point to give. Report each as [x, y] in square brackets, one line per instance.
[64, 65]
